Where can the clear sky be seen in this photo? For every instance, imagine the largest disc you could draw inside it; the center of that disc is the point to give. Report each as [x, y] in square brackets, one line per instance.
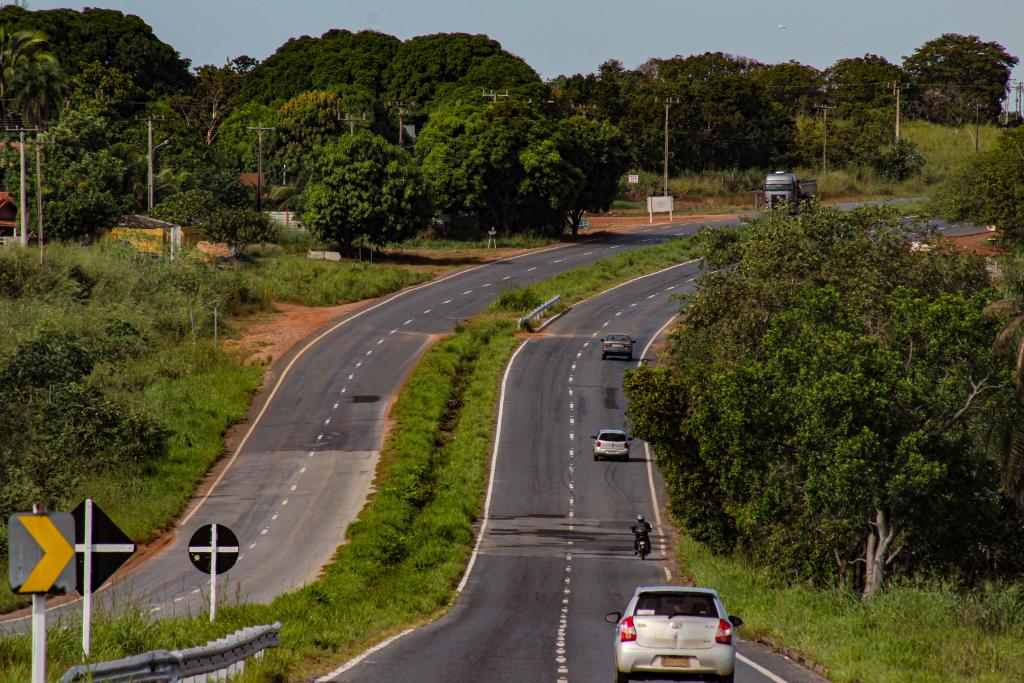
[575, 36]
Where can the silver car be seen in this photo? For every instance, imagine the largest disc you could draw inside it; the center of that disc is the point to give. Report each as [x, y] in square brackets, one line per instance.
[611, 443]
[617, 345]
[674, 630]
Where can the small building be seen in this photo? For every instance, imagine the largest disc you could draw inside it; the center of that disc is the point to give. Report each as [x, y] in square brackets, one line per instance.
[8, 216]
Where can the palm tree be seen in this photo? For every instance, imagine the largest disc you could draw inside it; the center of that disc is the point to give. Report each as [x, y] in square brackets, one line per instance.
[30, 77]
[1008, 430]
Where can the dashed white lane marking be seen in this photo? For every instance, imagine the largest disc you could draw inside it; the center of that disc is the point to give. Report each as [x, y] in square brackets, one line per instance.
[652, 296]
[691, 279]
[344, 389]
[678, 234]
[669, 289]
[369, 352]
[605, 325]
[615, 247]
[528, 270]
[393, 331]
[328, 420]
[294, 486]
[359, 364]
[156, 609]
[350, 377]
[468, 291]
[319, 437]
[407, 321]
[579, 354]
[335, 406]
[594, 335]
[586, 343]
[632, 305]
[264, 531]
[587, 253]
[487, 285]
[179, 598]
[427, 311]
[251, 546]
[302, 470]
[446, 301]
[274, 516]
[284, 502]
[381, 341]
[618, 314]
[195, 591]
[558, 260]
[573, 367]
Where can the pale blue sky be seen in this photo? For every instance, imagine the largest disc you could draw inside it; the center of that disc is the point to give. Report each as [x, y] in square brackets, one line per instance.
[570, 36]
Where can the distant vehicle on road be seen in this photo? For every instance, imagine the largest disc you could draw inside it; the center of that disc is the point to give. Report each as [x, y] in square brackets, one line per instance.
[617, 345]
[611, 443]
[674, 630]
[782, 188]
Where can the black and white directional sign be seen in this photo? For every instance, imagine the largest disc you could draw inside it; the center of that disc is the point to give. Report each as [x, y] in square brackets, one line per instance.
[213, 540]
[100, 543]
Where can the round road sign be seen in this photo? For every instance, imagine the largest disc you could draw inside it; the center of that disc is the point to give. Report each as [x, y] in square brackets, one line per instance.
[209, 540]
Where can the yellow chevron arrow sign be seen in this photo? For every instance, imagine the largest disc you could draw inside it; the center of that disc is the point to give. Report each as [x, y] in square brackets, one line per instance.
[41, 547]
[57, 552]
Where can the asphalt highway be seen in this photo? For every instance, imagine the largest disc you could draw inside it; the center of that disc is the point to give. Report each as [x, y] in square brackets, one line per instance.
[556, 552]
[307, 460]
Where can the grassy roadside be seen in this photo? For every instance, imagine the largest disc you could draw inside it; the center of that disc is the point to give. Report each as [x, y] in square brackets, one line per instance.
[409, 548]
[909, 633]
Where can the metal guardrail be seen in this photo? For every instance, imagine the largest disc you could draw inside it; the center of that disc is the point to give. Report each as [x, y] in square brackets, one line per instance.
[215, 661]
[540, 309]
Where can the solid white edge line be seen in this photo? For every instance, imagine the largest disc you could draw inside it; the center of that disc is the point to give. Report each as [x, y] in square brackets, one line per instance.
[647, 448]
[760, 669]
[494, 466]
[476, 548]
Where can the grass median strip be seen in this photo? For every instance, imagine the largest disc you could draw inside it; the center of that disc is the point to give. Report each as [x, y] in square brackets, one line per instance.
[408, 550]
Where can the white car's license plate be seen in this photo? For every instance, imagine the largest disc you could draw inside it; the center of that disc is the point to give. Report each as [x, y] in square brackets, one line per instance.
[681, 662]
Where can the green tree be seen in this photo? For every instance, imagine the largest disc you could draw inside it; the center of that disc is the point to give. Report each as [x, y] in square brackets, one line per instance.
[822, 402]
[598, 150]
[861, 83]
[30, 76]
[501, 162]
[956, 78]
[794, 86]
[238, 228]
[361, 186]
[211, 99]
[192, 207]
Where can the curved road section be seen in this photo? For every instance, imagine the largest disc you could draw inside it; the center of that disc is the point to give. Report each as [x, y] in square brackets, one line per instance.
[556, 552]
[307, 462]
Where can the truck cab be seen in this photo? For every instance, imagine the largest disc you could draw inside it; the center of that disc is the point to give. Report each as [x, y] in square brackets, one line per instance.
[782, 188]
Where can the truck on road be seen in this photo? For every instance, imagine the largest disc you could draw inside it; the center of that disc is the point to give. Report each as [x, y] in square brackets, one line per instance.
[781, 187]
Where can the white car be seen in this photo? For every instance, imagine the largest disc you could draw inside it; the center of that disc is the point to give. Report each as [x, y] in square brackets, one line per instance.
[674, 630]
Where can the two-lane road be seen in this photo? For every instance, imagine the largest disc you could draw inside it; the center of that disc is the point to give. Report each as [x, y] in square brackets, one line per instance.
[556, 552]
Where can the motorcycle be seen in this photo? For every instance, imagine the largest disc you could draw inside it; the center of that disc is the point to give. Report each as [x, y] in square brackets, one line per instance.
[641, 544]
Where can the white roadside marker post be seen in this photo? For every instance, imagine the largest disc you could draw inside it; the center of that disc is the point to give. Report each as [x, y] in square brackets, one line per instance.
[87, 581]
[213, 572]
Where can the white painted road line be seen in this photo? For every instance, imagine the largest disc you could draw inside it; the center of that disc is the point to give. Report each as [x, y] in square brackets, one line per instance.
[669, 289]
[427, 311]
[587, 253]
[446, 301]
[407, 321]
[558, 260]
[350, 377]
[652, 296]
[760, 669]
[487, 285]
[531, 269]
[507, 277]
[379, 342]
[468, 291]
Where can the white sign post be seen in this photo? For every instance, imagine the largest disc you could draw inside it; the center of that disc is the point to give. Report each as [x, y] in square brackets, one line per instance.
[659, 205]
[633, 178]
[87, 580]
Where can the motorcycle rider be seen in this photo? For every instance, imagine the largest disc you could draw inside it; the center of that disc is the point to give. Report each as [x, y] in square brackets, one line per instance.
[641, 534]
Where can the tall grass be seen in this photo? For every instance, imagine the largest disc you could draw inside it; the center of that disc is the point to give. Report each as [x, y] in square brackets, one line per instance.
[297, 279]
[919, 633]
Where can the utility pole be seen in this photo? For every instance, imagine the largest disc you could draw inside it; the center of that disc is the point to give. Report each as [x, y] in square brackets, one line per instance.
[897, 87]
[824, 135]
[149, 159]
[260, 129]
[23, 194]
[494, 94]
[401, 107]
[352, 121]
[977, 127]
[668, 102]
[582, 109]
[40, 141]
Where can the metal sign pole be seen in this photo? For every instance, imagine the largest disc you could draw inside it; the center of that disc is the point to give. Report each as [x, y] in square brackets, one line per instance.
[38, 630]
[39, 638]
[87, 581]
[213, 572]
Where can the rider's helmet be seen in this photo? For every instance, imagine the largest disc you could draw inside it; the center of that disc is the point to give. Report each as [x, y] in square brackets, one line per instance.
[639, 518]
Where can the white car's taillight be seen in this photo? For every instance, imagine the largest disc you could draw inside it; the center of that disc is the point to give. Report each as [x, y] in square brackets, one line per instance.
[627, 631]
[597, 444]
[724, 633]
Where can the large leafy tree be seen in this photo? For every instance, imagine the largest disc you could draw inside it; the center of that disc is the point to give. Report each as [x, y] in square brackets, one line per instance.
[861, 83]
[121, 41]
[361, 186]
[957, 77]
[30, 77]
[501, 161]
[598, 150]
[794, 86]
[822, 403]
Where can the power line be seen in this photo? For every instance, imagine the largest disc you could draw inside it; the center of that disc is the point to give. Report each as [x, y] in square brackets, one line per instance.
[260, 129]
